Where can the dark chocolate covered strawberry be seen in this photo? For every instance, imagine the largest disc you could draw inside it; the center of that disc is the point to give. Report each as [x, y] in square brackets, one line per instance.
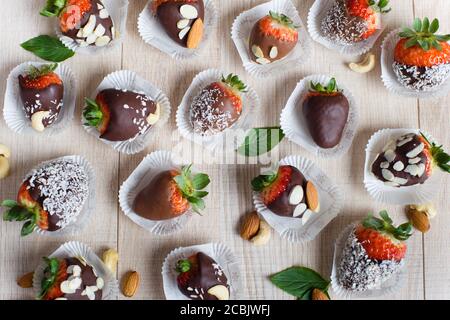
[121, 115]
[287, 192]
[50, 198]
[422, 58]
[183, 20]
[409, 160]
[272, 38]
[326, 111]
[171, 194]
[351, 21]
[42, 92]
[373, 253]
[218, 106]
[70, 279]
[85, 21]
[201, 278]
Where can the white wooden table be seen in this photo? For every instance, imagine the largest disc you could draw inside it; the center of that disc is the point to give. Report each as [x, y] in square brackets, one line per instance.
[230, 196]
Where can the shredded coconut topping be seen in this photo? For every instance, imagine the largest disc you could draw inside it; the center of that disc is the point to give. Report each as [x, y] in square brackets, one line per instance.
[421, 78]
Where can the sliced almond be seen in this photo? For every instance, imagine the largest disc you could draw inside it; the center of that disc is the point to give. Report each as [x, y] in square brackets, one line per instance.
[306, 216]
[183, 33]
[263, 61]
[99, 30]
[91, 38]
[312, 197]
[257, 51]
[195, 35]
[299, 210]
[37, 120]
[188, 12]
[296, 195]
[90, 26]
[102, 41]
[103, 14]
[273, 53]
[154, 117]
[183, 23]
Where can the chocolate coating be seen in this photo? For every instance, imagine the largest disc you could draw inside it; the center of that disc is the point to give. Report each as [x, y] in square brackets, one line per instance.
[266, 43]
[88, 278]
[206, 275]
[421, 78]
[47, 99]
[339, 26]
[153, 202]
[401, 156]
[212, 111]
[107, 23]
[326, 116]
[281, 205]
[168, 14]
[128, 114]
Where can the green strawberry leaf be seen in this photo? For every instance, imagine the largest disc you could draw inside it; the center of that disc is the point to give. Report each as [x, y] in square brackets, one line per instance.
[28, 227]
[417, 25]
[200, 194]
[384, 214]
[53, 8]
[198, 204]
[299, 282]
[259, 141]
[48, 48]
[200, 181]
[9, 203]
[434, 27]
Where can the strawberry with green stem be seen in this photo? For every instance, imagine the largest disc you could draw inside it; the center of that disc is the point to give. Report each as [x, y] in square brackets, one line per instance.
[422, 57]
[55, 273]
[218, 106]
[272, 38]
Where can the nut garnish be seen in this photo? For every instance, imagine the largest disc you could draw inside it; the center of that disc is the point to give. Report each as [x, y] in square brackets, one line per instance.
[420, 216]
[37, 120]
[195, 35]
[26, 281]
[312, 197]
[154, 117]
[5, 153]
[188, 11]
[130, 284]
[257, 51]
[366, 65]
[427, 208]
[110, 258]
[318, 294]
[220, 292]
[263, 235]
[255, 230]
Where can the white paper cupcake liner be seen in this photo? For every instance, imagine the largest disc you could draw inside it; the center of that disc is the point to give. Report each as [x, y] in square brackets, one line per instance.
[294, 126]
[129, 80]
[243, 25]
[390, 286]
[146, 171]
[153, 33]
[77, 225]
[220, 141]
[217, 251]
[118, 11]
[381, 192]
[390, 79]
[318, 12]
[330, 198]
[13, 110]
[72, 249]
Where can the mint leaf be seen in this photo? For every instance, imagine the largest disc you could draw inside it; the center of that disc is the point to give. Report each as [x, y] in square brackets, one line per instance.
[260, 140]
[299, 281]
[200, 181]
[48, 48]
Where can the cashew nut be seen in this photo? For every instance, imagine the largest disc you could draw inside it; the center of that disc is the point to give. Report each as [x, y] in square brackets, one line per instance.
[37, 120]
[110, 258]
[154, 117]
[5, 153]
[366, 65]
[263, 235]
[427, 208]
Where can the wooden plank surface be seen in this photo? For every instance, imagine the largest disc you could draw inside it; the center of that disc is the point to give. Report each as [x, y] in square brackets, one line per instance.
[230, 196]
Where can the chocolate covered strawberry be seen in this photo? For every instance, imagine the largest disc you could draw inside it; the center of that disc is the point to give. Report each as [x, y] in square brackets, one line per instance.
[287, 192]
[183, 20]
[171, 194]
[272, 38]
[85, 21]
[218, 106]
[42, 92]
[422, 58]
[373, 253]
[50, 198]
[352, 21]
[326, 110]
[70, 279]
[121, 115]
[201, 278]
[409, 160]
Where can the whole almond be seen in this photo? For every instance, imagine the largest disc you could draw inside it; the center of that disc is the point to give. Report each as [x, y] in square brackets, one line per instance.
[318, 294]
[195, 34]
[130, 284]
[26, 281]
[312, 197]
[419, 220]
[250, 226]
